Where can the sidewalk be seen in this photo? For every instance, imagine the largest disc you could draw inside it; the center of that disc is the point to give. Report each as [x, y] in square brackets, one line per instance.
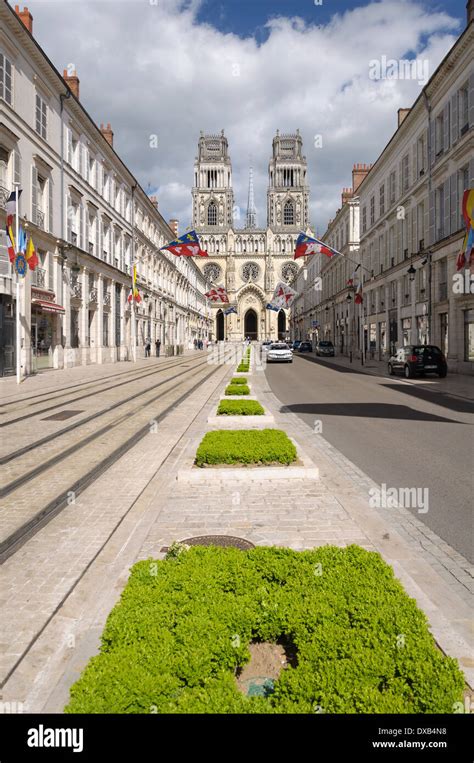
[457, 385]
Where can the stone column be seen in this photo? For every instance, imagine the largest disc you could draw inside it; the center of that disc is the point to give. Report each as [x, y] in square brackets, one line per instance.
[99, 318]
[112, 323]
[84, 317]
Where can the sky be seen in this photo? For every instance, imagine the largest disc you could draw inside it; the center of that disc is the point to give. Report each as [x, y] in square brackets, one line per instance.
[160, 71]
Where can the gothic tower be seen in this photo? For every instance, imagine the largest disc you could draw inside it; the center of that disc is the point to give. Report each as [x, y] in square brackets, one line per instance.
[213, 197]
[288, 192]
[251, 219]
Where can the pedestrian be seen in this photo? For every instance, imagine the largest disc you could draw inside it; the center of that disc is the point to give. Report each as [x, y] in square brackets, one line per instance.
[195, 344]
[158, 347]
[147, 348]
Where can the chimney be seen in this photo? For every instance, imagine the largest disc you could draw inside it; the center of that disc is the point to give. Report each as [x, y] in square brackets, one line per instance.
[470, 11]
[25, 17]
[154, 201]
[174, 227]
[346, 195]
[72, 81]
[107, 133]
[402, 114]
[359, 172]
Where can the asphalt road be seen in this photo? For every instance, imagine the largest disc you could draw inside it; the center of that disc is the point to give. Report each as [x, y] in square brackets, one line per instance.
[396, 432]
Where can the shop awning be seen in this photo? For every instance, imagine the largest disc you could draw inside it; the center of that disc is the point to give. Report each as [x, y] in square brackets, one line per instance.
[47, 307]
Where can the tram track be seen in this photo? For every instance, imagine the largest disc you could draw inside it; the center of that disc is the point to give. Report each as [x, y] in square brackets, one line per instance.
[44, 513]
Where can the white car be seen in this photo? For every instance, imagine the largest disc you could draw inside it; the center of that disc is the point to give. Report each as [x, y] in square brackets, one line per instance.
[266, 345]
[279, 353]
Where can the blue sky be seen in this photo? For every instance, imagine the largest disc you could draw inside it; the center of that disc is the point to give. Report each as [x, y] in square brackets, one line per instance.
[249, 67]
[248, 17]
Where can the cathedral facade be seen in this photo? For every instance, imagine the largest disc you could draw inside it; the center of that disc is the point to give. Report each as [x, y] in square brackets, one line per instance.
[249, 261]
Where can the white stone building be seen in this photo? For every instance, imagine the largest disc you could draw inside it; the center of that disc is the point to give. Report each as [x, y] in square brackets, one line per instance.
[411, 228]
[250, 260]
[78, 201]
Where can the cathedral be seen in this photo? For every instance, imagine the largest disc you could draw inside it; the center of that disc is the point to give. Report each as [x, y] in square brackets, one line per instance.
[249, 261]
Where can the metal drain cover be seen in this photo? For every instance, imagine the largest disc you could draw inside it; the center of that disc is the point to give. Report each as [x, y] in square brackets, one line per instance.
[216, 540]
[62, 415]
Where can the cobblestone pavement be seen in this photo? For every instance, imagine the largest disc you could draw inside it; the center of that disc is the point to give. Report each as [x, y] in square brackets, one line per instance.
[84, 576]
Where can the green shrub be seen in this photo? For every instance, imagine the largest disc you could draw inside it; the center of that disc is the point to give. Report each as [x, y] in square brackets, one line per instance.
[240, 408]
[246, 446]
[243, 367]
[169, 644]
[237, 389]
[238, 380]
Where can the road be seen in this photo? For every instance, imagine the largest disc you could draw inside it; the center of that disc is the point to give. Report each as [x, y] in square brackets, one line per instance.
[401, 435]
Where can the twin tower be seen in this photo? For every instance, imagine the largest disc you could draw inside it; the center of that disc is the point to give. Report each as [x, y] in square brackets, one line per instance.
[287, 194]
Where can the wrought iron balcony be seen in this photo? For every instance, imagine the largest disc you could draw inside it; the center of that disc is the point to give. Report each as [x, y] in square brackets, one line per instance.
[40, 218]
[93, 295]
[76, 289]
[107, 299]
[4, 194]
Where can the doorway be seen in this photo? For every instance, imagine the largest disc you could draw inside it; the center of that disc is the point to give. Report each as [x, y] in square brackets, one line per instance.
[220, 326]
[281, 324]
[251, 325]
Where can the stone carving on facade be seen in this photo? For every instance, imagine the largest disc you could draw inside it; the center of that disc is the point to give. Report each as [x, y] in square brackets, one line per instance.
[289, 271]
[250, 271]
[212, 271]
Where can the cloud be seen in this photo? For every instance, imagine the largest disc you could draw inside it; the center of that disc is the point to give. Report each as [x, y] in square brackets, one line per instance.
[152, 70]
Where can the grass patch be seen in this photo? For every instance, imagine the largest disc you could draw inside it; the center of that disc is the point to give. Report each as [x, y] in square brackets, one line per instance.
[240, 408]
[245, 446]
[169, 644]
[237, 389]
[238, 380]
[243, 367]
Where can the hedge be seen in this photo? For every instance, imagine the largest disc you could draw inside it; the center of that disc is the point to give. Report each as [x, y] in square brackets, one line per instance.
[240, 408]
[183, 625]
[237, 389]
[246, 446]
[238, 380]
[243, 367]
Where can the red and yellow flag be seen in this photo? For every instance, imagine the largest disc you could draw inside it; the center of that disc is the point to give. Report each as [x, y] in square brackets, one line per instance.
[31, 256]
[134, 293]
[466, 254]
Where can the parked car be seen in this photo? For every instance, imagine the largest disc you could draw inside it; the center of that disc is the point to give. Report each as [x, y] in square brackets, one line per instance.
[325, 347]
[296, 344]
[266, 345]
[279, 352]
[305, 347]
[418, 359]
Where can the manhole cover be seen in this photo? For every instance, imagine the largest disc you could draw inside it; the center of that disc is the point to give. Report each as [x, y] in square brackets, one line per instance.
[62, 415]
[216, 540]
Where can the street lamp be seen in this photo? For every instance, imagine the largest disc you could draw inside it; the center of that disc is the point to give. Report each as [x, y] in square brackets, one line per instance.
[411, 272]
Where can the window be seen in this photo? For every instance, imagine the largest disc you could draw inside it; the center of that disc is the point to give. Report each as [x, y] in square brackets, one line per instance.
[439, 134]
[382, 198]
[372, 210]
[392, 187]
[289, 213]
[469, 335]
[41, 116]
[364, 219]
[421, 225]
[443, 279]
[5, 79]
[74, 328]
[212, 214]
[405, 178]
[420, 155]
[463, 106]
[439, 203]
[463, 186]
[105, 330]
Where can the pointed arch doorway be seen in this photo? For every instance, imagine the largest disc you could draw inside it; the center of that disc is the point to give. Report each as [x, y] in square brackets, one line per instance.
[220, 325]
[281, 324]
[251, 324]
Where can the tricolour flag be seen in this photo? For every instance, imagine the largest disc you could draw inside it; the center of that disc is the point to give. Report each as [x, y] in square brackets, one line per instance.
[11, 241]
[31, 256]
[465, 256]
[283, 296]
[358, 299]
[186, 246]
[134, 293]
[10, 204]
[305, 245]
[351, 280]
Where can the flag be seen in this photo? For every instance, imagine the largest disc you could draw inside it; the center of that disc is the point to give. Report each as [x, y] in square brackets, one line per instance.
[305, 245]
[272, 307]
[31, 256]
[22, 241]
[283, 296]
[134, 293]
[11, 241]
[217, 294]
[230, 310]
[465, 256]
[358, 299]
[186, 245]
[10, 204]
[350, 281]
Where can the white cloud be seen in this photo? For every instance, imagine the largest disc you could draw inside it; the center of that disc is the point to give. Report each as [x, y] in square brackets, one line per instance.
[152, 69]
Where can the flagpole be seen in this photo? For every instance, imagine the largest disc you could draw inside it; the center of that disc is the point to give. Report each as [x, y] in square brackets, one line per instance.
[134, 326]
[17, 312]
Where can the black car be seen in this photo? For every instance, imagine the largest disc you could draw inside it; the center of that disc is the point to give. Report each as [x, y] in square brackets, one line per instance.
[325, 347]
[418, 359]
[296, 344]
[305, 347]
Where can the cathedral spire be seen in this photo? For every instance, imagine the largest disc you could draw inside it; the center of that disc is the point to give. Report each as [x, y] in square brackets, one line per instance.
[251, 221]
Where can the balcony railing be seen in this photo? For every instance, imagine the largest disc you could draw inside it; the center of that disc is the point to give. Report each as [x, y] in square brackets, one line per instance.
[39, 278]
[76, 289]
[107, 299]
[93, 295]
[40, 218]
[4, 194]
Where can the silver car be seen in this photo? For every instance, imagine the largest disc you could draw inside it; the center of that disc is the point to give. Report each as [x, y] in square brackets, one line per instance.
[279, 353]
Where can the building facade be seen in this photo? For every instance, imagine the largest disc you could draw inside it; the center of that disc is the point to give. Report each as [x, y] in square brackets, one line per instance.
[89, 219]
[411, 229]
[249, 261]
